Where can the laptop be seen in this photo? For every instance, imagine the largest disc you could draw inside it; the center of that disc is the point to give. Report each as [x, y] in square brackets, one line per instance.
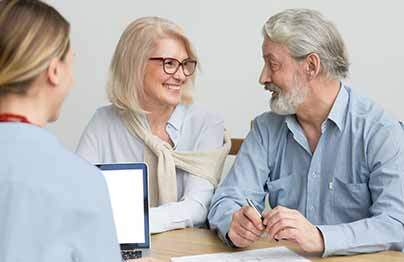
[129, 195]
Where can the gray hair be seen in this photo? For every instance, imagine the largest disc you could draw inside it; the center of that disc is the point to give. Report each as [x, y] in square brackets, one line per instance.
[306, 31]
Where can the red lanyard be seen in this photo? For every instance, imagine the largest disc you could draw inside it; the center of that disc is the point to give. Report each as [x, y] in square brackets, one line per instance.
[7, 117]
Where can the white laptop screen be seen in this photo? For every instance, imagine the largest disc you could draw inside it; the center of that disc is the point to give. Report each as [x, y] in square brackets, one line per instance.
[127, 186]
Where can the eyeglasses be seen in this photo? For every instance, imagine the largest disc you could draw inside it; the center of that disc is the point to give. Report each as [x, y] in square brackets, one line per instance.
[171, 65]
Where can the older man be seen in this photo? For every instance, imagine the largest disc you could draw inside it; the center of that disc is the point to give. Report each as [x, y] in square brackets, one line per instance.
[331, 161]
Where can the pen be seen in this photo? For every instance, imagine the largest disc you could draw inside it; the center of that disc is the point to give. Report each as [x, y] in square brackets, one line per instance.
[267, 207]
[251, 204]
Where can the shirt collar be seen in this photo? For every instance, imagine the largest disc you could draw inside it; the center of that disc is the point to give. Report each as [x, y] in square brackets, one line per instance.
[175, 123]
[177, 117]
[338, 110]
[336, 115]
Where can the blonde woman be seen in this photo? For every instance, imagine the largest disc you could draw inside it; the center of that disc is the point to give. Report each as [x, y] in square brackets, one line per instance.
[54, 206]
[153, 119]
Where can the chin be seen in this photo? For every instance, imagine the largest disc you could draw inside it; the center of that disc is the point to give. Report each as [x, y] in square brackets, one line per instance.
[53, 117]
[173, 101]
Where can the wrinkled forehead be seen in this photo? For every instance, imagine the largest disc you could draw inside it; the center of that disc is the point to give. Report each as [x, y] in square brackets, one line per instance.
[271, 49]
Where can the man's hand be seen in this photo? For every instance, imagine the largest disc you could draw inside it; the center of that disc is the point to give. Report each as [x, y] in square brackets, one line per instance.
[289, 224]
[246, 227]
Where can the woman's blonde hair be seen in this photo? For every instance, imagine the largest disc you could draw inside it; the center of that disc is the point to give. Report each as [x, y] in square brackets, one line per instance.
[31, 34]
[126, 77]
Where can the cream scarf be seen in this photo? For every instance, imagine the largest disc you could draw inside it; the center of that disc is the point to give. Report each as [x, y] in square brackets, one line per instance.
[162, 161]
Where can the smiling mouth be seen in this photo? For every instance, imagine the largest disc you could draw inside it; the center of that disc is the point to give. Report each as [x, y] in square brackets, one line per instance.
[172, 87]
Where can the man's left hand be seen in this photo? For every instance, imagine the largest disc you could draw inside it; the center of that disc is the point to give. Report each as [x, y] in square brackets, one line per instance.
[289, 224]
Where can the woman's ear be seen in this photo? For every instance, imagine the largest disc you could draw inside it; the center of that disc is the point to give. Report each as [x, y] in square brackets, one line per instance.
[54, 72]
[313, 65]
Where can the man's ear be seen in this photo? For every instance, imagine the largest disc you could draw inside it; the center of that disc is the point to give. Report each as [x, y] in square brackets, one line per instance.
[54, 72]
[313, 64]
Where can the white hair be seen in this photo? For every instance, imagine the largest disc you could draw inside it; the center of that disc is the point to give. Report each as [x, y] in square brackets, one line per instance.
[305, 31]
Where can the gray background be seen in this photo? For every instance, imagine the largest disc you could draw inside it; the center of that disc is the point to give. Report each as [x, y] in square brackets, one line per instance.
[227, 37]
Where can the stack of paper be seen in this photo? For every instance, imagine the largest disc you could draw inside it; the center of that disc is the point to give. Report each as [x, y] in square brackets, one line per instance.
[261, 255]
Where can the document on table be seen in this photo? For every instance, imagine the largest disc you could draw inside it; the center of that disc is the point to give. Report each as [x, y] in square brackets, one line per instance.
[261, 255]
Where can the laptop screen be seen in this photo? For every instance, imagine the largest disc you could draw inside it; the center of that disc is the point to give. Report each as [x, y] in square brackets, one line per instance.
[128, 191]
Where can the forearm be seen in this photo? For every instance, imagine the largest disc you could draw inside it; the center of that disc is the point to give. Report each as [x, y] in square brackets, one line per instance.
[186, 213]
[220, 215]
[364, 236]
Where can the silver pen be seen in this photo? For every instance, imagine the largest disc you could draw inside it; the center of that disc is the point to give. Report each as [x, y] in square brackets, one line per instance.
[251, 204]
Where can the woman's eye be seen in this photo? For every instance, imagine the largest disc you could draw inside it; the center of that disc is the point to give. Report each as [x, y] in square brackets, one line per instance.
[170, 63]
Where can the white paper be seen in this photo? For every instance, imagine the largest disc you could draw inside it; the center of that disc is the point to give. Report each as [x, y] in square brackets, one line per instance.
[257, 255]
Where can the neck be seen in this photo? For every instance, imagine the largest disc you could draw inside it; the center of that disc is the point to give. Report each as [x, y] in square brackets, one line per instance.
[158, 118]
[318, 103]
[33, 110]
[158, 114]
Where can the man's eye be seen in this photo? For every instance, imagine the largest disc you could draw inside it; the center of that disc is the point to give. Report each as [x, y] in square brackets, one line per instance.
[273, 66]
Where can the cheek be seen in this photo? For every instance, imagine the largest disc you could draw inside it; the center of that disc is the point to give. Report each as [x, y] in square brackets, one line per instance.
[155, 78]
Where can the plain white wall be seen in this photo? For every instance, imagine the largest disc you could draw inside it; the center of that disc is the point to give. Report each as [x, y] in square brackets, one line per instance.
[227, 36]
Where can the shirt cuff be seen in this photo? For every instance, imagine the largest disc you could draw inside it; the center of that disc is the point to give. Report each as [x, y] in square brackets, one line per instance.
[160, 222]
[334, 239]
[228, 241]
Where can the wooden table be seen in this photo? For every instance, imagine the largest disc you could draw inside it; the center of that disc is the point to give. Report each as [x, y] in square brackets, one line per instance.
[194, 241]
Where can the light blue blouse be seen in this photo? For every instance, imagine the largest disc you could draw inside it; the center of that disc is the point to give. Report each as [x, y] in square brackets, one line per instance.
[190, 127]
[53, 205]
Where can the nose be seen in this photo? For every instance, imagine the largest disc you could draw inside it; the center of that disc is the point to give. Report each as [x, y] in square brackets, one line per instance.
[179, 75]
[265, 76]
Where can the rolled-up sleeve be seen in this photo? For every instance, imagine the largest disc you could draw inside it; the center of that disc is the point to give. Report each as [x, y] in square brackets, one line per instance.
[246, 178]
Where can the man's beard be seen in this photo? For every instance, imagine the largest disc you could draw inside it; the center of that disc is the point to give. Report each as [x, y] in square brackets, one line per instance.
[287, 103]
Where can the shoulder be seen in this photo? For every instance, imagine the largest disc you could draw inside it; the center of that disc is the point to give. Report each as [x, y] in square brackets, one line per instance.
[370, 123]
[367, 114]
[200, 129]
[269, 119]
[44, 162]
[104, 120]
[106, 114]
[269, 123]
[198, 115]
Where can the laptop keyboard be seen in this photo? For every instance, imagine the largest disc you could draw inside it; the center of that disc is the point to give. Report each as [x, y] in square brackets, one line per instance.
[130, 254]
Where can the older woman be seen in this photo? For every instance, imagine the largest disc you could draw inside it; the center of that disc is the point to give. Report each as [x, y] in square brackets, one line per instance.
[54, 206]
[152, 119]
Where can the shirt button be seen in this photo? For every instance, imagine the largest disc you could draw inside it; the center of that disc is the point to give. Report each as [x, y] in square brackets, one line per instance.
[311, 208]
[314, 174]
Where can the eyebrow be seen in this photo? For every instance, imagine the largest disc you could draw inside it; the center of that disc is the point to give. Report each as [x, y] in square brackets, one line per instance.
[270, 56]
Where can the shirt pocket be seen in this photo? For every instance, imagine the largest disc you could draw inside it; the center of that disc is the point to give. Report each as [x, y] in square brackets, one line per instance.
[350, 201]
[284, 191]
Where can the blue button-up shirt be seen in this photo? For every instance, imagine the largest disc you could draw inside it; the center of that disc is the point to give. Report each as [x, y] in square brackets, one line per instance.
[351, 187]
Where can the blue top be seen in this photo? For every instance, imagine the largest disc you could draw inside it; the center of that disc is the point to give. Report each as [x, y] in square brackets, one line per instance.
[351, 187]
[54, 206]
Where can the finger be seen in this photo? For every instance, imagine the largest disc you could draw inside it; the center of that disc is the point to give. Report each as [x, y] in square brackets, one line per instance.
[288, 234]
[245, 221]
[281, 225]
[274, 216]
[253, 217]
[239, 240]
[246, 234]
[240, 226]
[269, 214]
